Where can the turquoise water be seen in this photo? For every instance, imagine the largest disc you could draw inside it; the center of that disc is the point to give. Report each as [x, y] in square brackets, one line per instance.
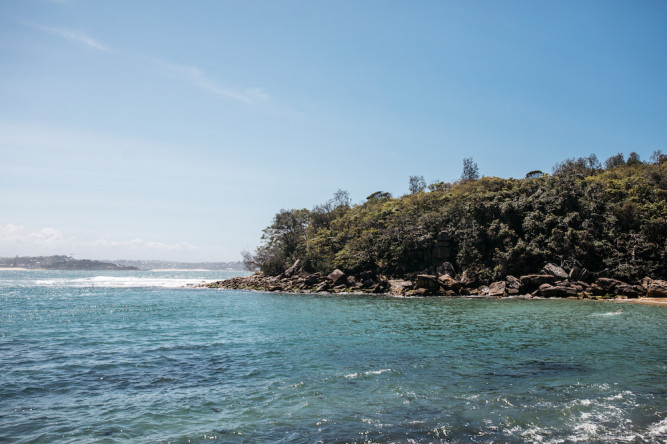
[137, 357]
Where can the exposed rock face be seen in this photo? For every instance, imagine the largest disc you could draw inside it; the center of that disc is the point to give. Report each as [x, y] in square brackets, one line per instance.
[555, 270]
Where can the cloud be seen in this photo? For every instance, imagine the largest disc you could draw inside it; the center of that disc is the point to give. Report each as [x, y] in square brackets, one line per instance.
[17, 234]
[74, 35]
[195, 76]
[16, 239]
[139, 244]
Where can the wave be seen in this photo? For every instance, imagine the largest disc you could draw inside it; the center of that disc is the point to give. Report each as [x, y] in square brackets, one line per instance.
[119, 282]
[368, 373]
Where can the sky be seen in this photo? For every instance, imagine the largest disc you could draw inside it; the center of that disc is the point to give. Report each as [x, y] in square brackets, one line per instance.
[175, 130]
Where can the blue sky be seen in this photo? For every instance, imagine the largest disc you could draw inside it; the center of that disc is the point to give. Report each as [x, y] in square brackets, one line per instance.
[176, 130]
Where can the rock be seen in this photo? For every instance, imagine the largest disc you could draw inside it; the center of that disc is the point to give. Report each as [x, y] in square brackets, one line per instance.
[399, 287]
[351, 281]
[337, 277]
[312, 279]
[631, 291]
[512, 292]
[275, 288]
[555, 270]
[445, 268]
[429, 282]
[497, 289]
[468, 278]
[579, 274]
[421, 292]
[295, 268]
[368, 283]
[513, 282]
[322, 287]
[380, 287]
[646, 282]
[548, 290]
[449, 283]
[657, 289]
[607, 285]
[533, 281]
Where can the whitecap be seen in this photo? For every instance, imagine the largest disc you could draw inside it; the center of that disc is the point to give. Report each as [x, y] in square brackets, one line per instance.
[118, 282]
[368, 373]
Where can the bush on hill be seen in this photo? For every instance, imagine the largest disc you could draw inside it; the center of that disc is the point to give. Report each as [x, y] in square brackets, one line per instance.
[612, 221]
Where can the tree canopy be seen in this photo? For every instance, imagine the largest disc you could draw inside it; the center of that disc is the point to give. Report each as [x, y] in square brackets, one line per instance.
[611, 221]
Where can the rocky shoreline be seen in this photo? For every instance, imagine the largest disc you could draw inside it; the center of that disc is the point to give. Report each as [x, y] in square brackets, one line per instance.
[552, 281]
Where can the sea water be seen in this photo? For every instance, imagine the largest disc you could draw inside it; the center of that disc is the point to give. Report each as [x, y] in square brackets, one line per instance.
[120, 357]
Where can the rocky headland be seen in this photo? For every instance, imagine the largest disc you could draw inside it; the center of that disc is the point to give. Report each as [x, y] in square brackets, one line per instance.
[552, 282]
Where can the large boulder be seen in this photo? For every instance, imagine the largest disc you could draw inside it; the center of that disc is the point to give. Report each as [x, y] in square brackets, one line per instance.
[532, 281]
[446, 268]
[558, 291]
[555, 270]
[399, 287]
[337, 277]
[312, 279]
[513, 282]
[579, 274]
[469, 278]
[606, 285]
[449, 283]
[631, 291]
[498, 289]
[657, 289]
[380, 287]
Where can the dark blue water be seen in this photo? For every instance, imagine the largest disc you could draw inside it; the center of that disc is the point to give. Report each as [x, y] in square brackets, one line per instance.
[133, 357]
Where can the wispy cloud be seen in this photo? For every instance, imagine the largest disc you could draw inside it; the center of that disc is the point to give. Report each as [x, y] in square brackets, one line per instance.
[71, 34]
[17, 239]
[195, 76]
[18, 234]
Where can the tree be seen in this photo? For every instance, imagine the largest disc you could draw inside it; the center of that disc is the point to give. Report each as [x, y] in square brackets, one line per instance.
[614, 161]
[470, 170]
[583, 166]
[658, 157]
[417, 184]
[534, 174]
[633, 159]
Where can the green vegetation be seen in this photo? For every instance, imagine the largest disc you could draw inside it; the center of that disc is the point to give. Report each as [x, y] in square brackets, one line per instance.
[611, 220]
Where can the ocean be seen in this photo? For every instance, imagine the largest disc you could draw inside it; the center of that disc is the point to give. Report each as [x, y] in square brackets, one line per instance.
[135, 356]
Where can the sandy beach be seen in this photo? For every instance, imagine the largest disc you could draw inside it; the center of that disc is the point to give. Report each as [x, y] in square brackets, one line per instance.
[662, 302]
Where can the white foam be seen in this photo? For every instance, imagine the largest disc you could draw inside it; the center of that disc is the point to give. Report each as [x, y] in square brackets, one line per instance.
[368, 373]
[659, 429]
[118, 282]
